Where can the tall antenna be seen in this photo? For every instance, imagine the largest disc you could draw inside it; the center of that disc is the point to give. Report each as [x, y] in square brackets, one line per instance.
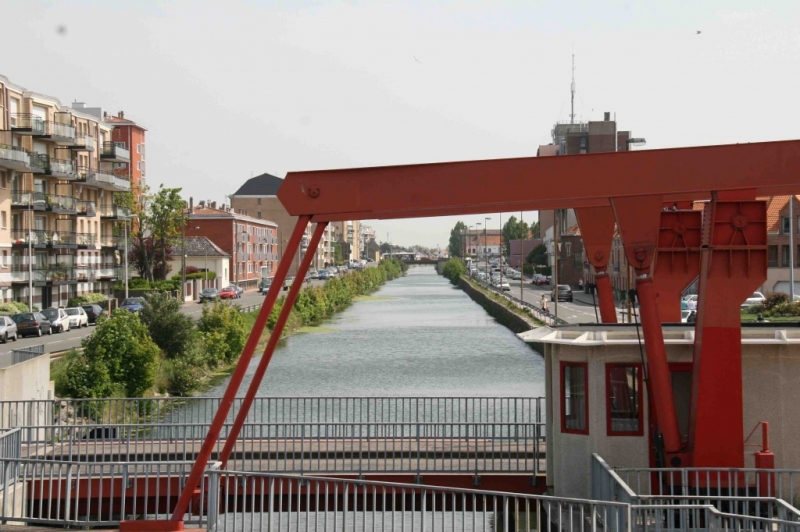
[572, 90]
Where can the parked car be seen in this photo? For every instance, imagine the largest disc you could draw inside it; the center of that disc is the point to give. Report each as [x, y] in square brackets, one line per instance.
[209, 294]
[515, 275]
[228, 292]
[93, 312]
[323, 274]
[133, 304]
[8, 329]
[77, 317]
[756, 299]
[504, 286]
[58, 319]
[287, 283]
[32, 324]
[313, 274]
[564, 293]
[263, 286]
[239, 289]
[539, 279]
[685, 315]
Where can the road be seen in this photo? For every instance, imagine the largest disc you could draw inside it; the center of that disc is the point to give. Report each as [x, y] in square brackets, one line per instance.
[72, 338]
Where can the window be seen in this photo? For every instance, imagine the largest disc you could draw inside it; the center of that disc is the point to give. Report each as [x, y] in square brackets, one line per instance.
[5, 259]
[785, 256]
[3, 220]
[259, 201]
[772, 256]
[259, 212]
[574, 398]
[624, 400]
[785, 225]
[3, 180]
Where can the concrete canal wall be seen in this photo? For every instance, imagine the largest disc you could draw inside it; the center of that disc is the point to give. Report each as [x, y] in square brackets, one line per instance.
[498, 311]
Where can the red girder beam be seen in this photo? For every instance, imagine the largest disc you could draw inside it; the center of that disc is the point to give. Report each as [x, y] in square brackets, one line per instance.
[532, 183]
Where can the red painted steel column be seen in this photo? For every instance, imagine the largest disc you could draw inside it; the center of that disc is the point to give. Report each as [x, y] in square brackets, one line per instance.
[274, 338]
[597, 233]
[605, 293]
[241, 368]
[639, 221]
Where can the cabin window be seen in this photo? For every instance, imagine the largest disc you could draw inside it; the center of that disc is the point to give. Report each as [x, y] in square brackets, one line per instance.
[624, 400]
[574, 398]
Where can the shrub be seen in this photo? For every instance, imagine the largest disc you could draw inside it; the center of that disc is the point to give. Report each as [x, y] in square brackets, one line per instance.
[82, 377]
[182, 375]
[214, 348]
[12, 307]
[169, 328]
[86, 299]
[195, 275]
[773, 299]
[227, 320]
[192, 269]
[787, 308]
[122, 345]
[527, 268]
[453, 270]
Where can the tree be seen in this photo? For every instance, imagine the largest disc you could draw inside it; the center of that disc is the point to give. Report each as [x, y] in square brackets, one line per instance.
[513, 230]
[161, 219]
[538, 255]
[227, 320]
[453, 269]
[456, 245]
[169, 328]
[337, 253]
[122, 348]
[535, 233]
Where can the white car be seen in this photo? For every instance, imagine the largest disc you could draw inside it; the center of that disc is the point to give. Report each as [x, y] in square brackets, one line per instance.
[504, 286]
[77, 317]
[756, 299]
[59, 321]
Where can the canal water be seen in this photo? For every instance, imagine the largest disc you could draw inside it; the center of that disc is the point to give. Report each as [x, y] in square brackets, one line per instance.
[420, 336]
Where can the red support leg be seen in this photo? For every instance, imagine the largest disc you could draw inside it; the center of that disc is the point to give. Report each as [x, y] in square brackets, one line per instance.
[238, 374]
[274, 338]
[733, 265]
[597, 233]
[639, 221]
[677, 260]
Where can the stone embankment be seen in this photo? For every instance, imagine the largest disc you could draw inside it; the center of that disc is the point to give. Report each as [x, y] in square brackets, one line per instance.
[499, 311]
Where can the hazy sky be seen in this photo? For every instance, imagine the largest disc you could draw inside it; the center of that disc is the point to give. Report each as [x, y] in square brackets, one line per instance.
[229, 89]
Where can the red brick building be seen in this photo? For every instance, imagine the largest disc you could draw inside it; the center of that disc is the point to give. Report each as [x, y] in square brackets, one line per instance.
[252, 243]
[130, 136]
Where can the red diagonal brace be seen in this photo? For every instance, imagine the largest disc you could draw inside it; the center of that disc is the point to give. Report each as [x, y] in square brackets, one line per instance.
[597, 233]
[274, 338]
[639, 220]
[238, 374]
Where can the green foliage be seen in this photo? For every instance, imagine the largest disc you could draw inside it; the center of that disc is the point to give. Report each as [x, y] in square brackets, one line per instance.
[76, 375]
[535, 231]
[122, 348]
[454, 269]
[538, 255]
[774, 299]
[788, 308]
[337, 253]
[180, 376]
[12, 307]
[227, 320]
[514, 230]
[169, 328]
[527, 268]
[456, 245]
[214, 348]
[196, 275]
[86, 299]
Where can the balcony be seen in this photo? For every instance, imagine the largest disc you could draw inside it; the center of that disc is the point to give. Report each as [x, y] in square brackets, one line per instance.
[39, 163]
[62, 168]
[85, 273]
[40, 238]
[115, 212]
[85, 208]
[115, 152]
[112, 241]
[15, 158]
[108, 272]
[55, 274]
[25, 199]
[86, 240]
[57, 132]
[27, 124]
[82, 143]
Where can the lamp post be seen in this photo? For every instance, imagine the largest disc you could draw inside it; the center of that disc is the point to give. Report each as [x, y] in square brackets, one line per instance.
[485, 250]
[556, 249]
[501, 252]
[30, 253]
[125, 247]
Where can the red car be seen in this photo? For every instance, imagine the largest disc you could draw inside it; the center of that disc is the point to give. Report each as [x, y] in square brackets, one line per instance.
[228, 292]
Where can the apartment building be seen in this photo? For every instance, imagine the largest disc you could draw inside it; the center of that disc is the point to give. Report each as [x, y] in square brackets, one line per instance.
[258, 198]
[348, 232]
[60, 226]
[130, 135]
[251, 243]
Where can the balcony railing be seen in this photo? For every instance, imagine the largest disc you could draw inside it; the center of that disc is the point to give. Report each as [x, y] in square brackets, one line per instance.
[107, 271]
[83, 142]
[122, 183]
[114, 211]
[58, 132]
[113, 151]
[62, 168]
[85, 239]
[112, 241]
[28, 199]
[85, 208]
[14, 157]
[48, 273]
[39, 163]
[86, 174]
[56, 203]
[27, 123]
[41, 237]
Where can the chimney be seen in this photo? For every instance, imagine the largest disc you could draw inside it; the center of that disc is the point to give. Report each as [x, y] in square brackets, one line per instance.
[191, 205]
[213, 204]
[121, 114]
[201, 203]
[606, 116]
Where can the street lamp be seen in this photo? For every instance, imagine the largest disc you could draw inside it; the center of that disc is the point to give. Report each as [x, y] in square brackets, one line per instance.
[636, 141]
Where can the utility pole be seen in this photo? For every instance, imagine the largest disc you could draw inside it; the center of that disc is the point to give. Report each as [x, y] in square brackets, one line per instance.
[792, 226]
[521, 259]
[30, 252]
[555, 263]
[572, 91]
[183, 260]
[501, 252]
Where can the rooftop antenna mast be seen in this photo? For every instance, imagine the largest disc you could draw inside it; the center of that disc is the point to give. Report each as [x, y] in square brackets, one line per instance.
[572, 90]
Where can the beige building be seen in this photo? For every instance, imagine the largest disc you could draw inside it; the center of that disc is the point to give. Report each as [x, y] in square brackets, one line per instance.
[257, 197]
[60, 172]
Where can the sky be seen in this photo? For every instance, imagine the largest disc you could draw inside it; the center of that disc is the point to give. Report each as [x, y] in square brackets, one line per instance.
[236, 88]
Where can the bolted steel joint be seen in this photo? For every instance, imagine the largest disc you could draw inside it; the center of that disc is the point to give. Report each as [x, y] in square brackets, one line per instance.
[313, 192]
[599, 256]
[739, 221]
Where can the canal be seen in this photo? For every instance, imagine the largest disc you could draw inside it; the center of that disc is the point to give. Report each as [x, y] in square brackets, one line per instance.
[418, 336]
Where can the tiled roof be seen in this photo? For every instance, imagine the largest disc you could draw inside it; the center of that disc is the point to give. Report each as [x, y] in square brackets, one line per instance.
[260, 185]
[574, 230]
[775, 205]
[202, 246]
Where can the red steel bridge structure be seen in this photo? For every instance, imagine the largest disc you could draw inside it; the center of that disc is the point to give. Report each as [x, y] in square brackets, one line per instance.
[649, 196]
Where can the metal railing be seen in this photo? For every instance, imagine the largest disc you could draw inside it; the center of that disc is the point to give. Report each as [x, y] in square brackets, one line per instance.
[26, 353]
[71, 494]
[84, 142]
[473, 448]
[115, 211]
[10, 448]
[537, 312]
[28, 121]
[86, 208]
[62, 167]
[697, 517]
[39, 162]
[28, 199]
[85, 239]
[115, 150]
[280, 410]
[15, 154]
[268, 501]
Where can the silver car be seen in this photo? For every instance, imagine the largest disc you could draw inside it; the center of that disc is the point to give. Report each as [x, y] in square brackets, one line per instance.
[8, 329]
[59, 320]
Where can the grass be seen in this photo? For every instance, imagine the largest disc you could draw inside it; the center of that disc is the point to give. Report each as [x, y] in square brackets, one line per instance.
[312, 329]
[750, 318]
[371, 298]
[524, 313]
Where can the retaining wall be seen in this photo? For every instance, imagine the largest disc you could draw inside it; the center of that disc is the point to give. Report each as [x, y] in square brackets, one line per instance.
[504, 316]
